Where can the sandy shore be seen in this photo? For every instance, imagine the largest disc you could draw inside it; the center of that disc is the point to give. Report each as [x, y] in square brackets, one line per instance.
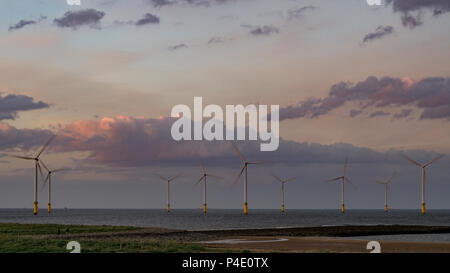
[322, 245]
[311, 239]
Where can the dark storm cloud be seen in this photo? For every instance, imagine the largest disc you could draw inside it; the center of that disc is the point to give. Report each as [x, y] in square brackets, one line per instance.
[412, 10]
[264, 30]
[74, 19]
[430, 94]
[11, 104]
[148, 19]
[380, 32]
[21, 24]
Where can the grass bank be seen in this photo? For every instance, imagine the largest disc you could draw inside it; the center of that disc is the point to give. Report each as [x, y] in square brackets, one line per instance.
[27, 238]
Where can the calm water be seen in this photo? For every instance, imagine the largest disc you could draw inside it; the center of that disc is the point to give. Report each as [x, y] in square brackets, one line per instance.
[233, 219]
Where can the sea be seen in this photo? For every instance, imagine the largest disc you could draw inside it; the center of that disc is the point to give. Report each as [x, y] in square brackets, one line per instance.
[220, 219]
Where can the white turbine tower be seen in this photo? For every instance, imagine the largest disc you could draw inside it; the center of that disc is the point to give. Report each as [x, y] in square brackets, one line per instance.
[423, 175]
[203, 178]
[282, 188]
[244, 170]
[49, 180]
[386, 189]
[343, 179]
[37, 167]
[168, 180]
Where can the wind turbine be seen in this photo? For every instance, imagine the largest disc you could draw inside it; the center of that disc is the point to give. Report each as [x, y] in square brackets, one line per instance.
[423, 175]
[343, 179]
[244, 170]
[203, 178]
[282, 188]
[386, 184]
[168, 180]
[49, 179]
[36, 168]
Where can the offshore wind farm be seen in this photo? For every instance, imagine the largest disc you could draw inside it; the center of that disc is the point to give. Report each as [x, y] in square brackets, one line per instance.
[225, 125]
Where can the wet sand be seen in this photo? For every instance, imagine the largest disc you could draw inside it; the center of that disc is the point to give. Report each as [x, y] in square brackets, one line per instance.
[322, 245]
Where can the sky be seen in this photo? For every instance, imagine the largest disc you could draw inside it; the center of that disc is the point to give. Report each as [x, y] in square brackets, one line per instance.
[352, 80]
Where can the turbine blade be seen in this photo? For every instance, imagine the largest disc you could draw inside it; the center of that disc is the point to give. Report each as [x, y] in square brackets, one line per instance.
[381, 182]
[61, 170]
[40, 171]
[213, 175]
[239, 175]
[289, 180]
[162, 177]
[45, 146]
[22, 157]
[200, 180]
[43, 165]
[256, 162]
[176, 176]
[45, 182]
[335, 179]
[350, 182]
[345, 166]
[411, 160]
[277, 178]
[201, 165]
[436, 159]
[392, 176]
[237, 151]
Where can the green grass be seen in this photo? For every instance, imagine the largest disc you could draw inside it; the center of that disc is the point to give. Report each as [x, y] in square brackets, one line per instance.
[17, 238]
[47, 229]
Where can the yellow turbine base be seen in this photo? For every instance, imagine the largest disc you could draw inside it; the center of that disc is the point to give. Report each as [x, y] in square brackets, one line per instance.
[386, 208]
[282, 208]
[49, 207]
[204, 208]
[423, 208]
[342, 208]
[168, 208]
[35, 208]
[245, 208]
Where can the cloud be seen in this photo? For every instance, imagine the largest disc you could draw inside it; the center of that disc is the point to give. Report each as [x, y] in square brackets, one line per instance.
[295, 13]
[161, 3]
[125, 141]
[23, 139]
[379, 114]
[264, 30]
[354, 113]
[148, 19]
[74, 19]
[215, 40]
[130, 141]
[177, 47]
[11, 104]
[430, 94]
[407, 7]
[380, 32]
[21, 24]
[403, 114]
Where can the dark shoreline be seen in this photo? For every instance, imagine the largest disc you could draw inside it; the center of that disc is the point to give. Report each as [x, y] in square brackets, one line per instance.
[335, 231]
[328, 231]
